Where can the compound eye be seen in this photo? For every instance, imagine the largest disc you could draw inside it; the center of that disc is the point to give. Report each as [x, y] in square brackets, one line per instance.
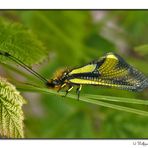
[55, 82]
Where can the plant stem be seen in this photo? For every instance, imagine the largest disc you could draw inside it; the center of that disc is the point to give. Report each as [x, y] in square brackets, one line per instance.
[92, 99]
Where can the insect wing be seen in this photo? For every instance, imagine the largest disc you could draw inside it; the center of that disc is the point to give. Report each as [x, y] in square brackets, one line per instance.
[115, 72]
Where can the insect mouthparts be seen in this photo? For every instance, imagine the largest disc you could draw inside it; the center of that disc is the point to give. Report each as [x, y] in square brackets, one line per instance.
[53, 83]
[50, 83]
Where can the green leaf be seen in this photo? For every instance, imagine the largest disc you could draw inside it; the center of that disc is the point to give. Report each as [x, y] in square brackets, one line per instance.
[20, 42]
[11, 114]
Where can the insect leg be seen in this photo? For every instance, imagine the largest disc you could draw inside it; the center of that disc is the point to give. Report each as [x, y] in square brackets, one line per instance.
[78, 91]
[68, 90]
[61, 87]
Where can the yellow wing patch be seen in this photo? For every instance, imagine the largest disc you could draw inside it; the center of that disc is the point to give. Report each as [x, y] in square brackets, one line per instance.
[111, 56]
[98, 82]
[110, 69]
[84, 69]
[82, 81]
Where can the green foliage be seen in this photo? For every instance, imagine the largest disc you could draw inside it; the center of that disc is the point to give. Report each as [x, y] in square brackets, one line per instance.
[76, 35]
[20, 42]
[59, 36]
[11, 114]
[73, 38]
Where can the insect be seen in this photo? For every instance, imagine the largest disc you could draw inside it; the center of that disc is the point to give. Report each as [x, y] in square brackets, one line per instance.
[110, 70]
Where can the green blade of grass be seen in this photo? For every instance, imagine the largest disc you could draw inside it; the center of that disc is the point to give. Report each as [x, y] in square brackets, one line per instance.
[117, 99]
[86, 99]
[117, 107]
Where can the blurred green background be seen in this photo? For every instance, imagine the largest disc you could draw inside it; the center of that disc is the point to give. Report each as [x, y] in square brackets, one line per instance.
[74, 38]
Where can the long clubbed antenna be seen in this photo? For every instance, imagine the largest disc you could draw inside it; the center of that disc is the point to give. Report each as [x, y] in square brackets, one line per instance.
[6, 54]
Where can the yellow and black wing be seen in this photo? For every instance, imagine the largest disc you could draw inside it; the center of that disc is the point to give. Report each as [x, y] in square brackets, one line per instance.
[110, 71]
